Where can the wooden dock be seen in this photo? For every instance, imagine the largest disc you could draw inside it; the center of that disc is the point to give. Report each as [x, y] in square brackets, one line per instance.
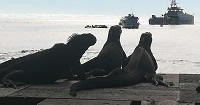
[183, 93]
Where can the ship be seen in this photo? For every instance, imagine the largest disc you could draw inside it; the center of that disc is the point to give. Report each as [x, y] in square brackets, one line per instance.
[96, 26]
[174, 16]
[129, 21]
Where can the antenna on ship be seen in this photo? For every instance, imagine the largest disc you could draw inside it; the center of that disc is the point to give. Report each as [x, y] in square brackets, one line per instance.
[131, 11]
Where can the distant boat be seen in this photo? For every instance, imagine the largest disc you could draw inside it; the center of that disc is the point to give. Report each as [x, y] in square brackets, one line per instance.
[96, 26]
[174, 16]
[129, 21]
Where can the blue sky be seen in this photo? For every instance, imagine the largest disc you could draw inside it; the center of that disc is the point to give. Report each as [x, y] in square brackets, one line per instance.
[143, 8]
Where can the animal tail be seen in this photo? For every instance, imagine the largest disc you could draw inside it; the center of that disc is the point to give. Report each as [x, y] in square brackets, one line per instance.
[101, 82]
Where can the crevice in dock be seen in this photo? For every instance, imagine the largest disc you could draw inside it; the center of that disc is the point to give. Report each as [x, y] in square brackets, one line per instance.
[20, 101]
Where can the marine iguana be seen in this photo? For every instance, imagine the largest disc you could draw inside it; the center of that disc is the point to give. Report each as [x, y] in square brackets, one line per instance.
[145, 42]
[140, 68]
[60, 61]
[110, 57]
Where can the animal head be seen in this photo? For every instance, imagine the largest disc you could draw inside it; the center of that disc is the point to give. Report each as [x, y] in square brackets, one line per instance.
[81, 40]
[114, 33]
[79, 43]
[145, 40]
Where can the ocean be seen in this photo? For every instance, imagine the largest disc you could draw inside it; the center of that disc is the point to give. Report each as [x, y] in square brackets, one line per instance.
[175, 47]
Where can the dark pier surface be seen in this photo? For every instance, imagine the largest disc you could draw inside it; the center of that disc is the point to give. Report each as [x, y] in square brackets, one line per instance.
[183, 93]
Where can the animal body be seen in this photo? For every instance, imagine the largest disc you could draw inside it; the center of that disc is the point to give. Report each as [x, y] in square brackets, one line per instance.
[110, 57]
[60, 61]
[140, 68]
[145, 42]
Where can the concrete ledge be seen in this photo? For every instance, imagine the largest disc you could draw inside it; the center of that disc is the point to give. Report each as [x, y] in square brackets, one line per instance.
[182, 93]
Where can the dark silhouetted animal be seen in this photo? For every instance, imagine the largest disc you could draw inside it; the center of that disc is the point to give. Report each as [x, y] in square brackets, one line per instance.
[60, 61]
[110, 57]
[140, 68]
[145, 42]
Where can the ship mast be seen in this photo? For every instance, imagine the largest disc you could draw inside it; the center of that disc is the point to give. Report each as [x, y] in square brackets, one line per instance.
[131, 11]
[174, 6]
[173, 3]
